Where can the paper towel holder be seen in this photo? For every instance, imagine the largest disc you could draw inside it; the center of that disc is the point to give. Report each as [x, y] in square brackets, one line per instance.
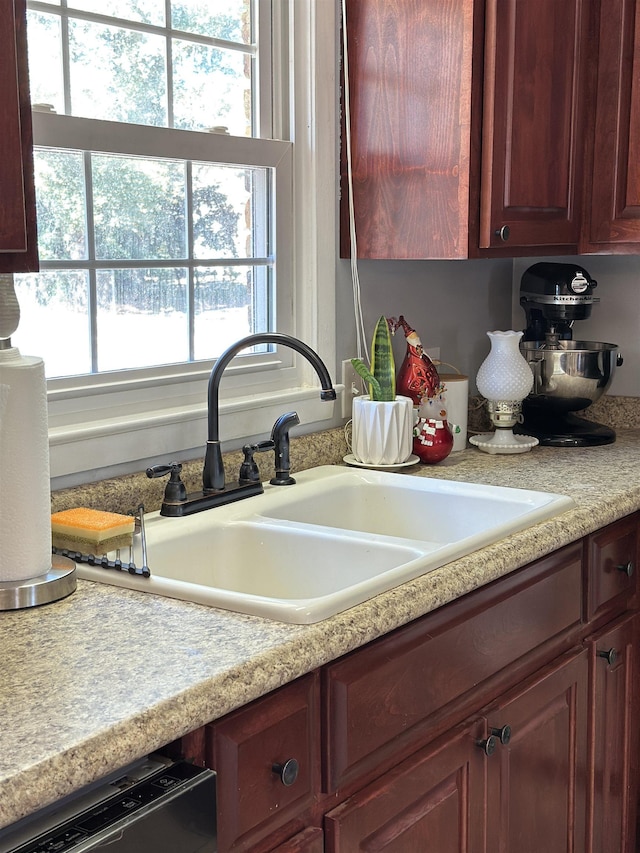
[57, 583]
[59, 580]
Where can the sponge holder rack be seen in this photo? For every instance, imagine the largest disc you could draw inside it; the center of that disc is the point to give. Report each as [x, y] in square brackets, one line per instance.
[60, 580]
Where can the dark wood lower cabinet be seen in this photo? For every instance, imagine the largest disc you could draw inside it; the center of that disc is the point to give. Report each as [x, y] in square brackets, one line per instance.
[537, 781]
[266, 757]
[616, 729]
[504, 722]
[431, 803]
[517, 777]
[387, 699]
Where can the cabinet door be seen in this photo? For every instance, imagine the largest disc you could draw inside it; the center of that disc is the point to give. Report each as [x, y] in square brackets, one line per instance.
[537, 782]
[18, 251]
[433, 803]
[410, 78]
[266, 756]
[532, 135]
[614, 789]
[613, 208]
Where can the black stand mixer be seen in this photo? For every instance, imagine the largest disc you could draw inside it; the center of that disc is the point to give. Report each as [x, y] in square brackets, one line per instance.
[569, 375]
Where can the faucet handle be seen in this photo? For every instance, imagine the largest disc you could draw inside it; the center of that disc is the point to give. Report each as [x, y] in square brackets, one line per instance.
[249, 472]
[175, 490]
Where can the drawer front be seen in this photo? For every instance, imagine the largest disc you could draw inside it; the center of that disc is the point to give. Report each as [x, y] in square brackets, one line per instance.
[380, 698]
[253, 750]
[612, 568]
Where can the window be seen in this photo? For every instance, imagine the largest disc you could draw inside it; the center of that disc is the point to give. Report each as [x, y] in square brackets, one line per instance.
[148, 260]
[165, 210]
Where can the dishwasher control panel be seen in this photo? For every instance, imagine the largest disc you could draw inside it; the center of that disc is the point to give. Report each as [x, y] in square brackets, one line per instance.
[157, 805]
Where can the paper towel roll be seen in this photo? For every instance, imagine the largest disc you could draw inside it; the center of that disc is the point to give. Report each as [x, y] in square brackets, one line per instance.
[25, 488]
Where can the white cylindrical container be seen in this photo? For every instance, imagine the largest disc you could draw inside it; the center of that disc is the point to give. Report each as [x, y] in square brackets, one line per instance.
[25, 489]
[455, 398]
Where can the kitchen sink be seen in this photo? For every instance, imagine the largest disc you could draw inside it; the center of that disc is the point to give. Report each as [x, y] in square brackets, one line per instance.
[303, 553]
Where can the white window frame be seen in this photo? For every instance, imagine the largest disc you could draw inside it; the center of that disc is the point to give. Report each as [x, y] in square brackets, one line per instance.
[106, 425]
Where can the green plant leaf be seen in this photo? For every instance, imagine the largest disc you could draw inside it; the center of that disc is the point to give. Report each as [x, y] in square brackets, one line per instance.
[382, 362]
[364, 373]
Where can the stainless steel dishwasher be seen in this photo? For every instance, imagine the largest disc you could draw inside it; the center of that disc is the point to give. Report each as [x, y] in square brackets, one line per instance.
[156, 805]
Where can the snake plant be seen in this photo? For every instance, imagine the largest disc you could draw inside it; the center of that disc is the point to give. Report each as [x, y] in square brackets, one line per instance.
[381, 375]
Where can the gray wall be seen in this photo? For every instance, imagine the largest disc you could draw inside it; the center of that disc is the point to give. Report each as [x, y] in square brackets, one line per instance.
[452, 305]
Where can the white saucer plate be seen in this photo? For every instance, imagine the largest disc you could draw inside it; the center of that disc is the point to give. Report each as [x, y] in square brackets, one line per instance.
[350, 459]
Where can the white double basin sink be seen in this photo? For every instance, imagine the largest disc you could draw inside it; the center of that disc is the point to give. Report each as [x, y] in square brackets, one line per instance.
[340, 536]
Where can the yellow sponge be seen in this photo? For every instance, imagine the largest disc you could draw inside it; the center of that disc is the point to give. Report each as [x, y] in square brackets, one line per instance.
[91, 531]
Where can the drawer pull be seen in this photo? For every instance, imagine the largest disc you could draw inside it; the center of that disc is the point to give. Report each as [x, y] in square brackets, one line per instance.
[503, 734]
[626, 568]
[488, 746]
[287, 772]
[503, 233]
[610, 656]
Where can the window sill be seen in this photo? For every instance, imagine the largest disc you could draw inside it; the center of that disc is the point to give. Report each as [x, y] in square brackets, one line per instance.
[107, 446]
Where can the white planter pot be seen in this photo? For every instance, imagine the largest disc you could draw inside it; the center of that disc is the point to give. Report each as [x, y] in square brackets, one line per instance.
[382, 433]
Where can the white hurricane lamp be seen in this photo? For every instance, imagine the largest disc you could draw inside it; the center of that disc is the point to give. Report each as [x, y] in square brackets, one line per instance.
[504, 380]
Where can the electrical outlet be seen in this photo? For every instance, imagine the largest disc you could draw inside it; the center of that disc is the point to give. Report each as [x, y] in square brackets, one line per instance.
[352, 387]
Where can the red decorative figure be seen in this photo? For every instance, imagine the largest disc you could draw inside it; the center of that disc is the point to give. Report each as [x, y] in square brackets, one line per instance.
[417, 377]
[432, 440]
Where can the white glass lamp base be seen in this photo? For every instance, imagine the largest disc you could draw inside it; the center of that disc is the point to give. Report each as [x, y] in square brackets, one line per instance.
[503, 441]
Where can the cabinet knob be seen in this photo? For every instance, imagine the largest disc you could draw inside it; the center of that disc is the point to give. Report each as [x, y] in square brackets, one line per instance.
[610, 656]
[488, 745]
[287, 772]
[503, 233]
[503, 734]
[626, 568]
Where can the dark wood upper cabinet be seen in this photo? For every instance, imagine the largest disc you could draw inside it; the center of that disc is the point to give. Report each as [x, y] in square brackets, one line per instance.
[410, 79]
[612, 211]
[477, 126]
[533, 123]
[18, 246]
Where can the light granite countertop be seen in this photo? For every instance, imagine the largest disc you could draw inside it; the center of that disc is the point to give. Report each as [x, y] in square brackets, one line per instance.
[92, 682]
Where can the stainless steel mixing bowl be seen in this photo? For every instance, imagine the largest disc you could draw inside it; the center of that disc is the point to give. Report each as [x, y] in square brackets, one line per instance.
[569, 375]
